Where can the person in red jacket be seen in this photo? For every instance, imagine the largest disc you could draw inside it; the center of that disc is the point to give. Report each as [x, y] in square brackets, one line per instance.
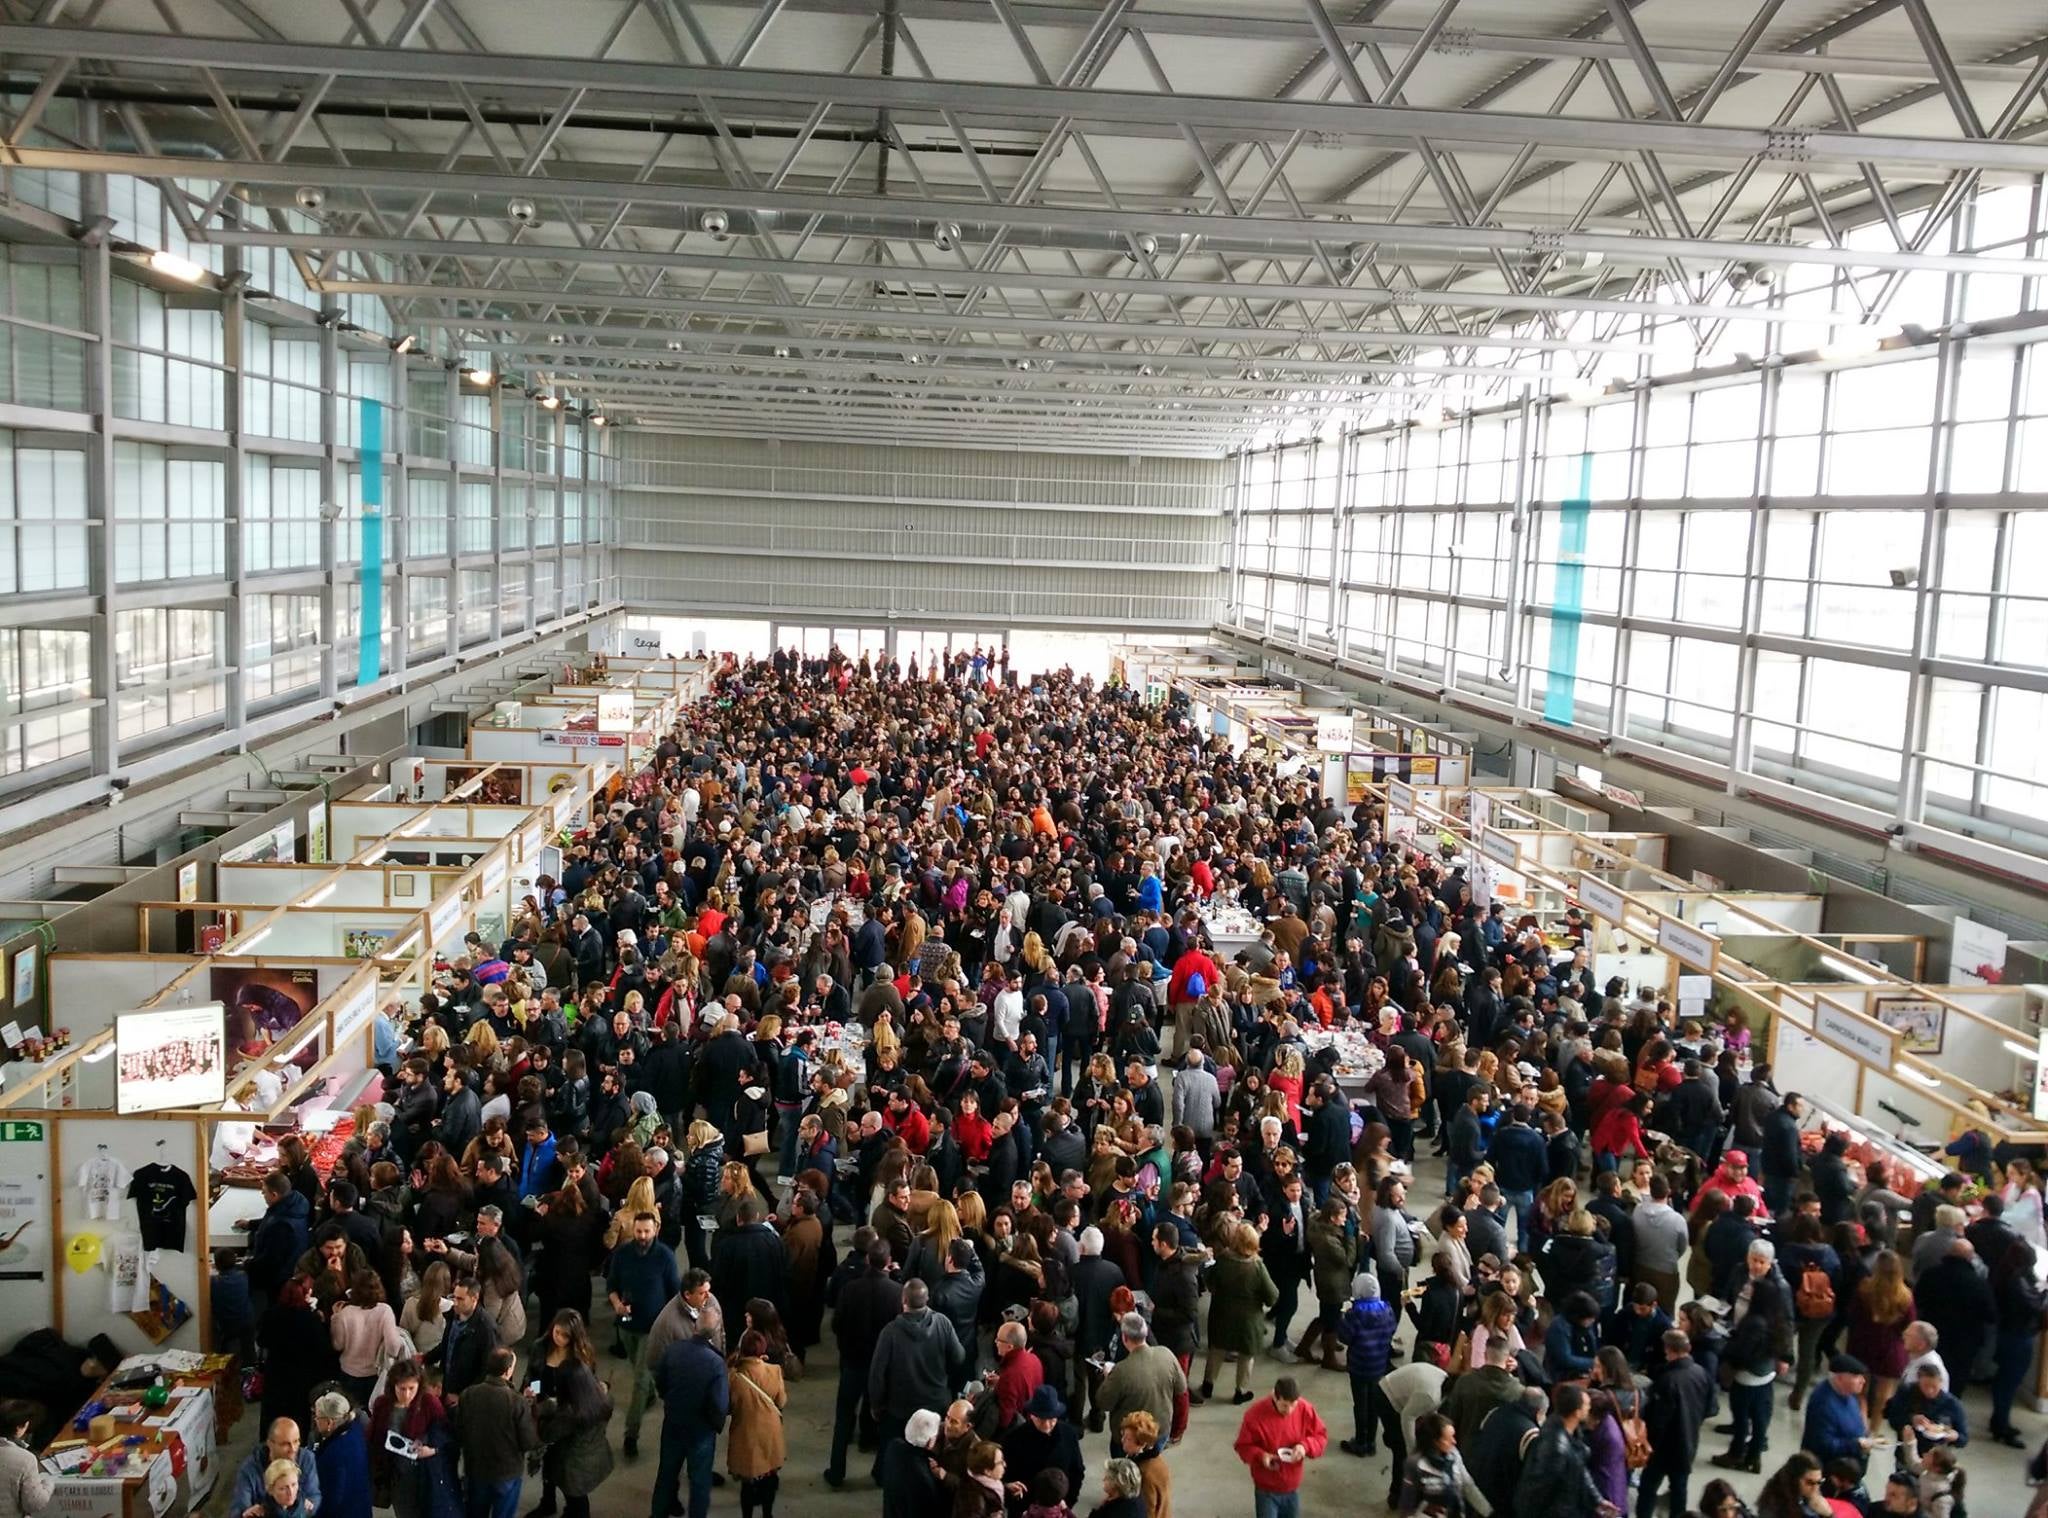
[1732, 1179]
[907, 1121]
[971, 1131]
[1618, 1136]
[1279, 1436]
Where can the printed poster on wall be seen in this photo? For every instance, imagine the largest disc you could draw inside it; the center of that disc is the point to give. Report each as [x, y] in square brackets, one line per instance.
[175, 1058]
[24, 979]
[263, 1005]
[25, 1239]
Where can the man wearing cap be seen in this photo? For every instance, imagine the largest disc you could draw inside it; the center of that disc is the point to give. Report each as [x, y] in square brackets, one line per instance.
[1148, 1379]
[1043, 1441]
[1835, 1427]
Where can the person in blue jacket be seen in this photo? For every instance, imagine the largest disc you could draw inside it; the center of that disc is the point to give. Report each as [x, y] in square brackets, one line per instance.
[341, 1454]
[1835, 1426]
[1926, 1412]
[280, 1442]
[641, 1279]
[281, 1236]
[696, 1397]
[1367, 1333]
[1573, 1340]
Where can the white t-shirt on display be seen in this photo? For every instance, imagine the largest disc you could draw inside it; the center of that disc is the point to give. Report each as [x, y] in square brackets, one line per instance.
[104, 1180]
[127, 1273]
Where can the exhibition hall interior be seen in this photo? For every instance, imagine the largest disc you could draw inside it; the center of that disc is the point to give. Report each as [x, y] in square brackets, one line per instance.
[1027, 757]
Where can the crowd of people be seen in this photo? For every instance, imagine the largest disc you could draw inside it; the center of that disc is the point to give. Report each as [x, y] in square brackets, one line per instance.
[876, 1026]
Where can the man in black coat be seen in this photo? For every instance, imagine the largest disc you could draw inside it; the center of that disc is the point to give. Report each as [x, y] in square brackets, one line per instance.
[750, 1262]
[867, 1304]
[721, 1072]
[1077, 1038]
[665, 1073]
[910, 1485]
[1494, 1455]
[1781, 1156]
[1327, 1137]
[1095, 1281]
[467, 1338]
[1681, 1393]
[1284, 1246]
[1955, 1299]
[1692, 1111]
[1556, 1480]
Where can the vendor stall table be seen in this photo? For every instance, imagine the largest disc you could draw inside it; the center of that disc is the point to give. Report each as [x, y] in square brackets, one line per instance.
[161, 1460]
[1230, 928]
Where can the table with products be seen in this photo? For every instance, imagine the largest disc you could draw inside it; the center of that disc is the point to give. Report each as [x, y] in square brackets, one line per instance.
[1359, 1059]
[148, 1441]
[1230, 927]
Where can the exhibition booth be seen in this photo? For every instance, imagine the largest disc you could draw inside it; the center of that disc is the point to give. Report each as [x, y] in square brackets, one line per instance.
[1900, 1062]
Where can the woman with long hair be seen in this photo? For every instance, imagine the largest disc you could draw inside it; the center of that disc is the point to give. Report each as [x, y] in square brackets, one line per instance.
[424, 1485]
[927, 1262]
[1614, 1399]
[439, 1208]
[571, 1237]
[639, 1198]
[1699, 1270]
[1433, 1478]
[570, 1411]
[426, 1310]
[1794, 1491]
[703, 1167]
[364, 1334]
[504, 1289]
[1020, 1273]
[1878, 1316]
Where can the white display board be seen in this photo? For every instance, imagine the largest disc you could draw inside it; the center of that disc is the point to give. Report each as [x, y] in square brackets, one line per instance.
[173, 1058]
[1976, 954]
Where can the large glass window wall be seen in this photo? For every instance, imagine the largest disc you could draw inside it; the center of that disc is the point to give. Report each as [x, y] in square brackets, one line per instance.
[1759, 545]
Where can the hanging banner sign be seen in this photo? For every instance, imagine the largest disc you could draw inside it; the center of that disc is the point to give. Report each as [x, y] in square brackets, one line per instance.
[1600, 898]
[1501, 849]
[1856, 1037]
[1688, 945]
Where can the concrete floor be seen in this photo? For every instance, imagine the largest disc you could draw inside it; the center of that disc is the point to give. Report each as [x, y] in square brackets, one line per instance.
[1208, 1479]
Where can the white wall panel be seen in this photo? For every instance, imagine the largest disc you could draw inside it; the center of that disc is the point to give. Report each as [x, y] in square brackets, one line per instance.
[963, 534]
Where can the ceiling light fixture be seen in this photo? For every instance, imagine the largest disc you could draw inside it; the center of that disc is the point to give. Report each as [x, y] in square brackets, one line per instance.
[551, 402]
[1857, 342]
[177, 267]
[478, 376]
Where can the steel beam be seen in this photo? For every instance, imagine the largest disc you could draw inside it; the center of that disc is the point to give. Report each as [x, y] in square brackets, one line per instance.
[1223, 231]
[987, 100]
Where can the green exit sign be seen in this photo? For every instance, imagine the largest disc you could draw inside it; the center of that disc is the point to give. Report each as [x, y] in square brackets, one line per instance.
[21, 1133]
